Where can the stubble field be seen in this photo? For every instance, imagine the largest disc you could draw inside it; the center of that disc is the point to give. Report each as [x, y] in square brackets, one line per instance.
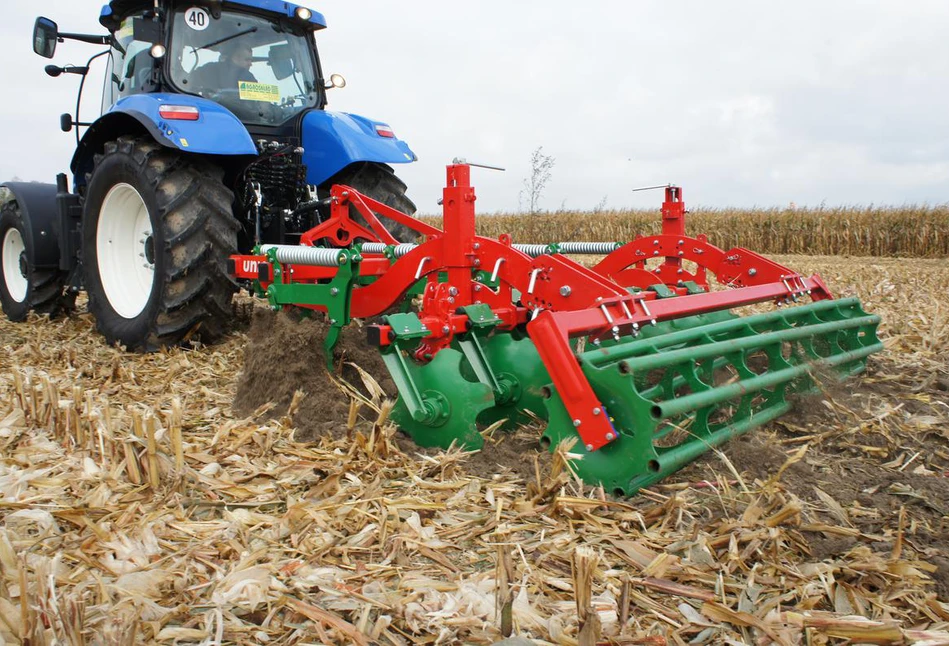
[137, 507]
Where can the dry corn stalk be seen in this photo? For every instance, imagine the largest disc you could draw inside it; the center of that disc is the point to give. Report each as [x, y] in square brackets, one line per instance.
[584, 562]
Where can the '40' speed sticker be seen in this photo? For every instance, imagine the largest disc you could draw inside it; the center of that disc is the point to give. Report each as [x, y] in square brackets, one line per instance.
[197, 18]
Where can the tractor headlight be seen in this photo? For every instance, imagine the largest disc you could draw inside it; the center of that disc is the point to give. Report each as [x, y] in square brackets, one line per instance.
[158, 51]
[304, 14]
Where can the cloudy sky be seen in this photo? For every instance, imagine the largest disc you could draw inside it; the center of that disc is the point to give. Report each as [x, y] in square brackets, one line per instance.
[741, 102]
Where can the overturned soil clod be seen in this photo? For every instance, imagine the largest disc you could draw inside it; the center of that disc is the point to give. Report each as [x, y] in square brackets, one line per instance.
[285, 353]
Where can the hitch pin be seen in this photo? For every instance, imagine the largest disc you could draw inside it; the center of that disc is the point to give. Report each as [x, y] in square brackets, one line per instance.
[497, 268]
[530, 288]
[421, 266]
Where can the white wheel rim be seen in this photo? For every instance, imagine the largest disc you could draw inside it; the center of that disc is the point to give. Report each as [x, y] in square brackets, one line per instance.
[13, 248]
[122, 236]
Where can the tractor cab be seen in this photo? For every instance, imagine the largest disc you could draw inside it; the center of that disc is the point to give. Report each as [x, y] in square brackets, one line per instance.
[260, 65]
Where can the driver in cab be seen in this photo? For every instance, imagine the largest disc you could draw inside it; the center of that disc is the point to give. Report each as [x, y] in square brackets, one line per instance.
[230, 70]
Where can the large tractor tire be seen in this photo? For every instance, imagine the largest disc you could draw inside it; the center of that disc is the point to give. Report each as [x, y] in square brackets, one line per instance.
[379, 182]
[157, 233]
[23, 286]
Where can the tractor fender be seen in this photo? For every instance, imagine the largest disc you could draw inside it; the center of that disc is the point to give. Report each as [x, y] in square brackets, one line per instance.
[37, 205]
[215, 132]
[334, 140]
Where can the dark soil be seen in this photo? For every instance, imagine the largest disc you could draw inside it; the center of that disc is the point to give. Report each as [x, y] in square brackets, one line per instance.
[516, 452]
[285, 353]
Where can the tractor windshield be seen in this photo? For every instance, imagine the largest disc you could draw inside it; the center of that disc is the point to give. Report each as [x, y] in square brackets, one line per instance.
[261, 70]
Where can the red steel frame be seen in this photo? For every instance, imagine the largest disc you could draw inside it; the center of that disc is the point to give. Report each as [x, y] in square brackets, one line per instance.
[560, 299]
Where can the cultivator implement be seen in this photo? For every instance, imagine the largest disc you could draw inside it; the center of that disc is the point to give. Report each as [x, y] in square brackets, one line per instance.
[638, 360]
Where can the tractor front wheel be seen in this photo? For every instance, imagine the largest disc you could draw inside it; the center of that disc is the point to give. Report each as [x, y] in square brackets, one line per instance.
[23, 286]
[158, 230]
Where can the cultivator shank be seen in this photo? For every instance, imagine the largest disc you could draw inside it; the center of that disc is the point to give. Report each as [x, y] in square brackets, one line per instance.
[638, 360]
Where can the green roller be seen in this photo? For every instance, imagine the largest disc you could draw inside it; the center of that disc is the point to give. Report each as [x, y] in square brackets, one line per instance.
[674, 393]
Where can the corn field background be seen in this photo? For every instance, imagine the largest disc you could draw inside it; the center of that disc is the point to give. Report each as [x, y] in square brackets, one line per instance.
[908, 231]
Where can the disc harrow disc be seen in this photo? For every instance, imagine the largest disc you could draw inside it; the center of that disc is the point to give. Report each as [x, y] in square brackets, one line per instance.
[453, 403]
[522, 374]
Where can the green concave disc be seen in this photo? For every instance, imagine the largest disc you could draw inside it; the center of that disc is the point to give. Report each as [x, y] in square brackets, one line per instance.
[458, 400]
[518, 367]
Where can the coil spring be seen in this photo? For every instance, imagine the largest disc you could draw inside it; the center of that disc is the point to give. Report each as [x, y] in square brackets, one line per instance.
[379, 247]
[532, 250]
[313, 256]
[592, 248]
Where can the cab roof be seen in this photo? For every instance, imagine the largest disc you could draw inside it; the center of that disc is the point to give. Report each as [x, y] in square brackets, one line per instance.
[123, 7]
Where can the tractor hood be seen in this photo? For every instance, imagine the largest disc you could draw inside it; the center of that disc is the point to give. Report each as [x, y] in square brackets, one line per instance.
[334, 140]
[120, 8]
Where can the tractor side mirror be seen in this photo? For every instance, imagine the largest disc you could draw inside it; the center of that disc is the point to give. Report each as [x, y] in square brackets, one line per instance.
[280, 60]
[45, 37]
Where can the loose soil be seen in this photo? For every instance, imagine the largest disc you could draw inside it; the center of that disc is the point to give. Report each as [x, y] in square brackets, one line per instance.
[867, 468]
[285, 353]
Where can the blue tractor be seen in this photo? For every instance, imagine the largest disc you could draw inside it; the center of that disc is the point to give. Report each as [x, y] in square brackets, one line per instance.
[213, 139]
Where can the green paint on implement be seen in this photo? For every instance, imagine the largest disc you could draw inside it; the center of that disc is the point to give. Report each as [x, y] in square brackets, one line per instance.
[672, 395]
[437, 405]
[335, 296]
[518, 367]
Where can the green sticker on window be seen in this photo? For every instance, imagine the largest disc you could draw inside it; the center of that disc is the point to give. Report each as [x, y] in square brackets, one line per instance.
[259, 92]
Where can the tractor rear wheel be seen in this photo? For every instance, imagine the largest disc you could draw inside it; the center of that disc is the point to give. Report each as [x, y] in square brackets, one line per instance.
[379, 182]
[157, 233]
[22, 286]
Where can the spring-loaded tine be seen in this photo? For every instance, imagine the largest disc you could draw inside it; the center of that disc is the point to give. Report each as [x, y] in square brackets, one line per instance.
[421, 266]
[533, 283]
[497, 268]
